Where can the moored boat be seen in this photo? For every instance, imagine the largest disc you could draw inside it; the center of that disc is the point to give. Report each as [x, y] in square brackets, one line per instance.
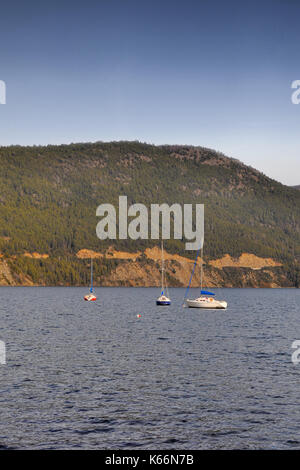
[206, 299]
[91, 297]
[163, 299]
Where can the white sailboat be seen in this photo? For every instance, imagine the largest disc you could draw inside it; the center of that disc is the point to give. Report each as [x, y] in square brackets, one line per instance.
[206, 299]
[163, 299]
[91, 296]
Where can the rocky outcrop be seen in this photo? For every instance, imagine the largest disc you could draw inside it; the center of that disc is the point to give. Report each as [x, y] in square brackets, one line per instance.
[144, 269]
[6, 278]
[36, 255]
[246, 260]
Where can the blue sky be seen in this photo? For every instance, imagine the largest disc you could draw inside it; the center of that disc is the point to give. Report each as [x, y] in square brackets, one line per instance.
[211, 73]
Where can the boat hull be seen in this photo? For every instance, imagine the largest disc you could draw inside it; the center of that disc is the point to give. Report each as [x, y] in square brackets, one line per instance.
[90, 298]
[207, 304]
[163, 300]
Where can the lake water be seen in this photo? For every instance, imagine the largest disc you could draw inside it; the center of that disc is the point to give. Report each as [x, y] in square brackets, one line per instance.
[95, 376]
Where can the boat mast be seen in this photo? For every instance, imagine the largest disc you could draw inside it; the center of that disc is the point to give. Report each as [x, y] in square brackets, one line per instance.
[91, 289]
[201, 272]
[162, 267]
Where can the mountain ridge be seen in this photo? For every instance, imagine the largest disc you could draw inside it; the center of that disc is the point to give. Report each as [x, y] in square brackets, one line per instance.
[49, 195]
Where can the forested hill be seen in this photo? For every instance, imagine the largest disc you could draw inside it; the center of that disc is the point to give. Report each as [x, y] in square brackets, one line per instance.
[49, 196]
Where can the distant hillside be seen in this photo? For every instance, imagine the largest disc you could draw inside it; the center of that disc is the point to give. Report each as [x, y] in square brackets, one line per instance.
[49, 196]
[297, 187]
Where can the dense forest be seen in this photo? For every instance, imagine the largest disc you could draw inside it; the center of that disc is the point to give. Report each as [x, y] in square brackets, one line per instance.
[49, 196]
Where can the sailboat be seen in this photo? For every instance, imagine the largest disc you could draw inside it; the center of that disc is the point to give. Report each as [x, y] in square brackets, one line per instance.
[206, 299]
[91, 296]
[163, 299]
